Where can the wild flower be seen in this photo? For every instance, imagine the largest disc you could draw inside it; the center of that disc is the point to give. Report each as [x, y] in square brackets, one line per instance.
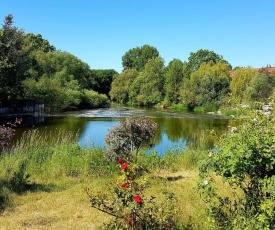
[124, 166]
[137, 199]
[125, 185]
[120, 160]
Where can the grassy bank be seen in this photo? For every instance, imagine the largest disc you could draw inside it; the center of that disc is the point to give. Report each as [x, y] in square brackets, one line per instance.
[43, 182]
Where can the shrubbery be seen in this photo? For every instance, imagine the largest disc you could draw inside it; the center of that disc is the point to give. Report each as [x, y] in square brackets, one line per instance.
[244, 165]
[92, 99]
[126, 139]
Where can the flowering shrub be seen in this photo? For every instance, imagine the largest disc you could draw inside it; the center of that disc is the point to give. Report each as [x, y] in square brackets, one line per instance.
[6, 134]
[137, 199]
[244, 164]
[124, 166]
[128, 204]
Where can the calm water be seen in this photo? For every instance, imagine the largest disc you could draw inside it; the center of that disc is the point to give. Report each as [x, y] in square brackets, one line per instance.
[175, 131]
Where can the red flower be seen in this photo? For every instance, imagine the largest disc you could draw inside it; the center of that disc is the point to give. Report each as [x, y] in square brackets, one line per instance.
[137, 199]
[125, 185]
[120, 160]
[124, 166]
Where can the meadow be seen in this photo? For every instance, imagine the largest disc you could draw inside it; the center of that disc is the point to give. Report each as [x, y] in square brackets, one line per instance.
[43, 183]
[49, 183]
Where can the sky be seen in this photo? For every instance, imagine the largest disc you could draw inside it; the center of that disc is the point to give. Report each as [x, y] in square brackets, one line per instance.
[100, 32]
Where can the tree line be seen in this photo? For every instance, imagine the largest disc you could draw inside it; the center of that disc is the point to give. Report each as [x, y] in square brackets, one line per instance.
[30, 67]
[202, 82]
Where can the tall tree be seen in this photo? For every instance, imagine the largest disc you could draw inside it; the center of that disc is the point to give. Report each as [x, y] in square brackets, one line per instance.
[261, 88]
[207, 86]
[35, 42]
[240, 82]
[137, 58]
[202, 56]
[148, 87]
[14, 61]
[120, 88]
[173, 79]
[53, 62]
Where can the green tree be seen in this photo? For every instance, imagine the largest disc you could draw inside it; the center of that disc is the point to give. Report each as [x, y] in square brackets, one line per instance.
[53, 62]
[14, 61]
[240, 82]
[137, 57]
[92, 99]
[148, 87]
[35, 42]
[58, 78]
[202, 56]
[261, 88]
[120, 87]
[207, 86]
[48, 89]
[100, 80]
[173, 79]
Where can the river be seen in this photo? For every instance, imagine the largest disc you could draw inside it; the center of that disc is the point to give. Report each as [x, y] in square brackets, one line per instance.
[175, 130]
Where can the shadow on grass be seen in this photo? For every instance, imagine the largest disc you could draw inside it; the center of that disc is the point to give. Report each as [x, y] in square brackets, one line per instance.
[7, 188]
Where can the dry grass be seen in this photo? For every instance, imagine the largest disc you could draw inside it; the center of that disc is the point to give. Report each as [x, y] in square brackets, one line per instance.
[67, 209]
[184, 184]
[70, 209]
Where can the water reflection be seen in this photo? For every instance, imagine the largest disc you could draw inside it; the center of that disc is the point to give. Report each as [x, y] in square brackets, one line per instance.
[176, 130]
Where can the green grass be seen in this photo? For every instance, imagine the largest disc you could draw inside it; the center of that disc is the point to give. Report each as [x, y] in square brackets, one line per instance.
[55, 172]
[179, 107]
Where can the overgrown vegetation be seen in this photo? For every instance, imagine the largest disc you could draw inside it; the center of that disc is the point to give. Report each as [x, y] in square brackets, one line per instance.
[203, 83]
[244, 163]
[30, 67]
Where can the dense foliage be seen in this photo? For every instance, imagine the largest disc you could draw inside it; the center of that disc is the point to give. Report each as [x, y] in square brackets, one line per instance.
[207, 86]
[204, 83]
[14, 61]
[30, 67]
[244, 164]
[137, 58]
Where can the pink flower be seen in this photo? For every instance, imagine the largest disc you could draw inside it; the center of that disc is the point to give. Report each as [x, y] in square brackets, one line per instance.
[125, 185]
[137, 199]
[124, 166]
[120, 160]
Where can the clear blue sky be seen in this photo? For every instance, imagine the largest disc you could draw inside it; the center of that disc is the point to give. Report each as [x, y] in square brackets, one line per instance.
[99, 32]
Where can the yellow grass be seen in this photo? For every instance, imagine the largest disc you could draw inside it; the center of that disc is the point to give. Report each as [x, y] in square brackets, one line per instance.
[67, 209]
[70, 208]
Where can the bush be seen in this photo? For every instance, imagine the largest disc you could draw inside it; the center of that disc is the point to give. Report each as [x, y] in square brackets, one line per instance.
[129, 206]
[126, 139]
[243, 164]
[180, 107]
[92, 99]
[6, 134]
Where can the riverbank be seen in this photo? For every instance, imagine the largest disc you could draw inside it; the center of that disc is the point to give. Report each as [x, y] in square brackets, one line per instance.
[43, 181]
